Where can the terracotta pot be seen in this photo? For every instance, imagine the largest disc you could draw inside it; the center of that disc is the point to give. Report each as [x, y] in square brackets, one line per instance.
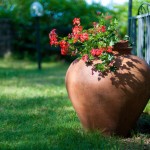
[113, 102]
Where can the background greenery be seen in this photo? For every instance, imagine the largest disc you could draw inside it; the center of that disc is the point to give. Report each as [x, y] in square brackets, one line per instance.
[121, 13]
[57, 14]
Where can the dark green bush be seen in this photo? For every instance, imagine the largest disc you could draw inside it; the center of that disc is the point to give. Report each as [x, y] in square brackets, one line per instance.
[57, 14]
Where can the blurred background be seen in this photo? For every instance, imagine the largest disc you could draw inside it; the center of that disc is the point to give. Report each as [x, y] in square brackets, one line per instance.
[35, 111]
[18, 28]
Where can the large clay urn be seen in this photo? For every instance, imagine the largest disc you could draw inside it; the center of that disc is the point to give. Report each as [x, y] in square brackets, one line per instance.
[110, 103]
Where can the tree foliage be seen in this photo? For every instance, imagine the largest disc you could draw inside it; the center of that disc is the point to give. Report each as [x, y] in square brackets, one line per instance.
[57, 14]
[121, 12]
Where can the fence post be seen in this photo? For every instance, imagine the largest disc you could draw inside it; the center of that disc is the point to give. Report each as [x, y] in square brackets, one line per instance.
[129, 16]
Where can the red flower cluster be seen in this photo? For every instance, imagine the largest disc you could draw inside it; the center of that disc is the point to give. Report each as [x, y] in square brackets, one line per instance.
[77, 31]
[109, 50]
[53, 37]
[98, 28]
[103, 29]
[76, 34]
[84, 37]
[76, 21]
[89, 44]
[96, 52]
[64, 47]
[85, 58]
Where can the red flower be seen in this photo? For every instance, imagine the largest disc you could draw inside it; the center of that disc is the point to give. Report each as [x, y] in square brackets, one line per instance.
[64, 47]
[76, 29]
[85, 58]
[84, 37]
[53, 37]
[109, 50]
[96, 52]
[93, 52]
[53, 41]
[103, 28]
[52, 33]
[76, 21]
[99, 52]
[76, 37]
[64, 51]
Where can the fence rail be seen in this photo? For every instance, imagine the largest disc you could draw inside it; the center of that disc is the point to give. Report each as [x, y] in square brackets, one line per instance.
[140, 32]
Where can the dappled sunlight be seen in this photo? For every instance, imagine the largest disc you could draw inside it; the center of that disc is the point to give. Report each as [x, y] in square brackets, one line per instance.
[27, 65]
[147, 108]
[12, 92]
[49, 80]
[69, 108]
[23, 80]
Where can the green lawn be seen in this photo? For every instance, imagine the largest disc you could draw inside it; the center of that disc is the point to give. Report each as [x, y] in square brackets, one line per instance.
[35, 112]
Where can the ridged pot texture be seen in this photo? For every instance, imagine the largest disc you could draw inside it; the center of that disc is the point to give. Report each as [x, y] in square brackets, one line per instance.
[110, 103]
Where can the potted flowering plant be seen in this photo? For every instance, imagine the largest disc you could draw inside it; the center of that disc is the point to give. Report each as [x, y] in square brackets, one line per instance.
[113, 102]
[95, 43]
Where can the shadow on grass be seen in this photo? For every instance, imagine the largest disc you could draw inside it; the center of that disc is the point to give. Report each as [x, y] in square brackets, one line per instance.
[24, 104]
[46, 124]
[71, 139]
[59, 138]
[49, 123]
[143, 124]
[46, 77]
[140, 139]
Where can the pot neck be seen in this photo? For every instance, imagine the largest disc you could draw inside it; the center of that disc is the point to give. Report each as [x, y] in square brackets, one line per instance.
[122, 47]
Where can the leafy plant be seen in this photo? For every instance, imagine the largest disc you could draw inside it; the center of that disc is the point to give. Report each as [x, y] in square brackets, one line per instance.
[95, 43]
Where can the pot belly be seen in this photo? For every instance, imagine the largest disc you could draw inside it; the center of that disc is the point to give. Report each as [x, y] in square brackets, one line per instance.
[111, 103]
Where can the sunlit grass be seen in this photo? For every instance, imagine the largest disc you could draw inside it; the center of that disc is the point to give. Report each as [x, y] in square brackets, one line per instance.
[35, 112]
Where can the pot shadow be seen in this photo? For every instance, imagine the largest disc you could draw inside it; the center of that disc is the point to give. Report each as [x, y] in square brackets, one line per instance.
[122, 71]
[131, 76]
[75, 61]
[124, 76]
[140, 134]
[143, 125]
